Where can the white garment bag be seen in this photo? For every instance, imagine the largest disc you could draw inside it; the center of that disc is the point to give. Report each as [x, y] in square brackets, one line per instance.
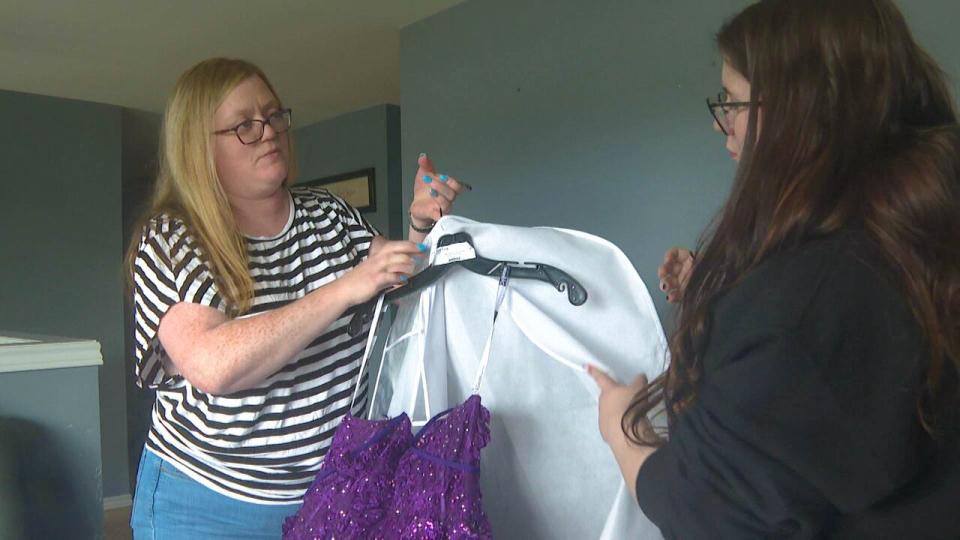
[546, 472]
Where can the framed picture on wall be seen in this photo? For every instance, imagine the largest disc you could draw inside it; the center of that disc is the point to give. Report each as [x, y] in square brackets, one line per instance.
[356, 187]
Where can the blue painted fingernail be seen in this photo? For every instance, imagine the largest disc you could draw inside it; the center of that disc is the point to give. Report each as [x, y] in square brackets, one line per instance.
[427, 179]
[403, 279]
[422, 247]
[434, 193]
[423, 154]
[443, 178]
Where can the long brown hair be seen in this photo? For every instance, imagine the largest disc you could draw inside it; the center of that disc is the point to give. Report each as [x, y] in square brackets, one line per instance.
[857, 128]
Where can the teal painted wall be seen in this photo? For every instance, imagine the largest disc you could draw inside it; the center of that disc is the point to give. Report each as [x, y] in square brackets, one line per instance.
[354, 141]
[588, 115]
[60, 235]
[139, 165]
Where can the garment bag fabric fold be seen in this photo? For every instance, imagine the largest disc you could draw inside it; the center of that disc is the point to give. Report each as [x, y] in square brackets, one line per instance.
[546, 472]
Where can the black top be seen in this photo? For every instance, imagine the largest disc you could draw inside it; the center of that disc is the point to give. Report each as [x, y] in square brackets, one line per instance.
[806, 425]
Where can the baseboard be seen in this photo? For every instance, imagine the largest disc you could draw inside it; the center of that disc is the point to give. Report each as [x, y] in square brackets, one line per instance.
[120, 501]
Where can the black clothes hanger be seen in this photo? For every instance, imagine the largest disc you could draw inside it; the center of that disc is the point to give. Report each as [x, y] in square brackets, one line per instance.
[561, 280]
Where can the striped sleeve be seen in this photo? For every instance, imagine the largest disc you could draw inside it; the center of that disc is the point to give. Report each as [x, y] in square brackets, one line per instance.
[358, 227]
[167, 270]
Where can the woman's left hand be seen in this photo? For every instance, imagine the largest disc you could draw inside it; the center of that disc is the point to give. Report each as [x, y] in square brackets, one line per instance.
[433, 193]
[675, 272]
[614, 400]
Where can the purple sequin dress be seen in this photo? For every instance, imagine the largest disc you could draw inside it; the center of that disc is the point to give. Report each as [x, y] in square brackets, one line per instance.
[378, 481]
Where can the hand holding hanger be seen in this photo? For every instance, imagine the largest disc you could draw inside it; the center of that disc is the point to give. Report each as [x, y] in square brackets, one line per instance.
[433, 196]
[391, 264]
[470, 260]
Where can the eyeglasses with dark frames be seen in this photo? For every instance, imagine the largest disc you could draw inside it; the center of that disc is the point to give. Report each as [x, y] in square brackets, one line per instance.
[726, 109]
[251, 131]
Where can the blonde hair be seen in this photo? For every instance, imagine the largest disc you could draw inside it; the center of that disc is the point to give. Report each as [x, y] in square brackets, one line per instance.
[188, 186]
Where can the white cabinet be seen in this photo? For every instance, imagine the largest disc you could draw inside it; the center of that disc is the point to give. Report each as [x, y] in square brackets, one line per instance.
[50, 434]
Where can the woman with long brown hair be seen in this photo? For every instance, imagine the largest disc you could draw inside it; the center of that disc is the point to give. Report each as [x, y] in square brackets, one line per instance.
[813, 386]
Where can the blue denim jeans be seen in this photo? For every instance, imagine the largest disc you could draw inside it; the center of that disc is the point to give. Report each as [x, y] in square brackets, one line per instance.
[169, 505]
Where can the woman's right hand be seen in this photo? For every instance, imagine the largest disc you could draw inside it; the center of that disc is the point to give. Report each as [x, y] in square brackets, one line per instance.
[674, 272]
[390, 264]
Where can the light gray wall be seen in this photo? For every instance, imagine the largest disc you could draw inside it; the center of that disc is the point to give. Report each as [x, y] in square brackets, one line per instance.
[934, 25]
[587, 115]
[353, 141]
[61, 238]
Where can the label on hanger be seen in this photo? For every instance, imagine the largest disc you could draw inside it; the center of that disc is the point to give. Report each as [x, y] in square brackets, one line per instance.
[461, 251]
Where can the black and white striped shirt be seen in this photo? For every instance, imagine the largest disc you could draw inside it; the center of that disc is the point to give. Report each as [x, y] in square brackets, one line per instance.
[265, 444]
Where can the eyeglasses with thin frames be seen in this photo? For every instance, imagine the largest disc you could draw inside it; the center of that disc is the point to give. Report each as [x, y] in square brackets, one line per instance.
[727, 109]
[251, 131]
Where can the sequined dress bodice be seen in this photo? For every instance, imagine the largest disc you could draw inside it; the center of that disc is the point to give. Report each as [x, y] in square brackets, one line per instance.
[379, 481]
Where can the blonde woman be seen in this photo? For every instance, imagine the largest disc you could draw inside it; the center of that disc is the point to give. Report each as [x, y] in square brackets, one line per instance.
[242, 288]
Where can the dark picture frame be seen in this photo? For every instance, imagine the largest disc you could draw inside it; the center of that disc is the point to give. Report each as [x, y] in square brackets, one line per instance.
[358, 188]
